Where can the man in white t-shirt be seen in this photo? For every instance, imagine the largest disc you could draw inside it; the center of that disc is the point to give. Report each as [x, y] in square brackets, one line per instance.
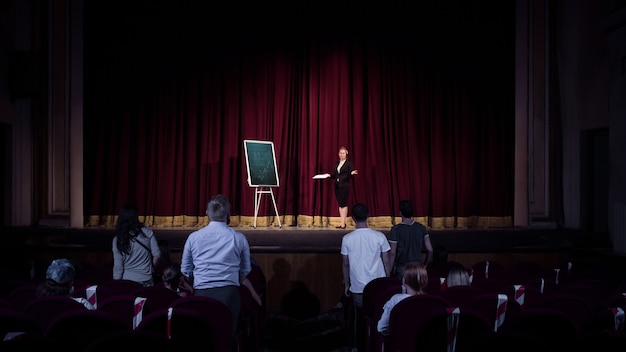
[365, 253]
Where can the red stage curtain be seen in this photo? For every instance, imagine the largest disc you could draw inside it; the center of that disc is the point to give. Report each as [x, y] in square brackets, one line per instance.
[424, 122]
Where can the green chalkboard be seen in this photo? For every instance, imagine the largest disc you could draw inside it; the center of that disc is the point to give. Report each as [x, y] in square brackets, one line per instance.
[261, 163]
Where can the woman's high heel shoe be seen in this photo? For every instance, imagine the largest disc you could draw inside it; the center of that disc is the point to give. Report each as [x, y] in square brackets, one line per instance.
[341, 227]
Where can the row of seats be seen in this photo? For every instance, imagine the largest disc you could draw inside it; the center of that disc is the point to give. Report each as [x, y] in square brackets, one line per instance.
[187, 322]
[586, 304]
[128, 306]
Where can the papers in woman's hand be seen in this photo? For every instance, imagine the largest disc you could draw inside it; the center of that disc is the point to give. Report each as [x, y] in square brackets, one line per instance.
[320, 176]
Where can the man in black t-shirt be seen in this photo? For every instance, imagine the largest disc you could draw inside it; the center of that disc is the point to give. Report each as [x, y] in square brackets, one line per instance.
[407, 240]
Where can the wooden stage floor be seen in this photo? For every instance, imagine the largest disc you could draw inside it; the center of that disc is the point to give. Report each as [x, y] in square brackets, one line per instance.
[325, 239]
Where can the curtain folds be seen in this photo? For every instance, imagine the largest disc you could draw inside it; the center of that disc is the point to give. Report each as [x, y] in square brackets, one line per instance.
[421, 123]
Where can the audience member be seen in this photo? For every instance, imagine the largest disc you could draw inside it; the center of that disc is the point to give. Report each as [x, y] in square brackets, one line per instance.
[164, 261]
[60, 282]
[457, 275]
[365, 253]
[136, 250]
[407, 240]
[216, 258]
[176, 281]
[414, 280]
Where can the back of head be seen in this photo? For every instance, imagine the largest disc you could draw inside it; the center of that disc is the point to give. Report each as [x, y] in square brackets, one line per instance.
[128, 226]
[129, 214]
[61, 271]
[218, 208]
[415, 276]
[359, 212]
[59, 279]
[406, 208]
[457, 276]
[171, 275]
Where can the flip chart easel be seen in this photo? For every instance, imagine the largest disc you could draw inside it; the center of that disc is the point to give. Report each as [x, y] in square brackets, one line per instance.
[262, 172]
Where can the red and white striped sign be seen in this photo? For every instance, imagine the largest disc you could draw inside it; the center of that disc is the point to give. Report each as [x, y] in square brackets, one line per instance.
[138, 311]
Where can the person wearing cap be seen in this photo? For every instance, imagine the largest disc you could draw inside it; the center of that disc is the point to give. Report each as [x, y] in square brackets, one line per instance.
[60, 282]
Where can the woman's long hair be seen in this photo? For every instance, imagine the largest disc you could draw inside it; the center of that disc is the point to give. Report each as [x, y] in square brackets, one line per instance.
[128, 227]
[415, 276]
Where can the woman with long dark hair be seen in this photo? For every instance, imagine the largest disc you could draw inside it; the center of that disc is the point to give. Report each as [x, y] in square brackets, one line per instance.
[135, 248]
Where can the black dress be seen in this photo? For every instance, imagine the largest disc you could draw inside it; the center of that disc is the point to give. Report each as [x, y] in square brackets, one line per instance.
[342, 182]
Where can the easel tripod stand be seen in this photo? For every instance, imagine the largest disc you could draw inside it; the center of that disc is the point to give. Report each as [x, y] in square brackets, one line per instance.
[258, 193]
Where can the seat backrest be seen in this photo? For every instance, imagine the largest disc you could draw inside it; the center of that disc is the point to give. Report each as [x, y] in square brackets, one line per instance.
[77, 329]
[20, 296]
[217, 315]
[441, 333]
[487, 306]
[492, 284]
[382, 298]
[157, 297]
[45, 309]
[460, 296]
[472, 326]
[373, 288]
[593, 294]
[524, 295]
[115, 287]
[375, 339]
[509, 341]
[14, 321]
[189, 328]
[526, 269]
[131, 340]
[576, 308]
[409, 316]
[8, 284]
[434, 281]
[488, 269]
[553, 328]
[614, 300]
[31, 342]
[122, 305]
[608, 321]
[4, 303]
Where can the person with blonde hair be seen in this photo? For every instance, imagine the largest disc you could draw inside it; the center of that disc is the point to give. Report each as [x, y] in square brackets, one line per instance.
[457, 276]
[414, 280]
[342, 174]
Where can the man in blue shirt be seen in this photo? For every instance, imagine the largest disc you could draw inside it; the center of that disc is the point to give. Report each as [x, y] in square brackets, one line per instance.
[216, 258]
